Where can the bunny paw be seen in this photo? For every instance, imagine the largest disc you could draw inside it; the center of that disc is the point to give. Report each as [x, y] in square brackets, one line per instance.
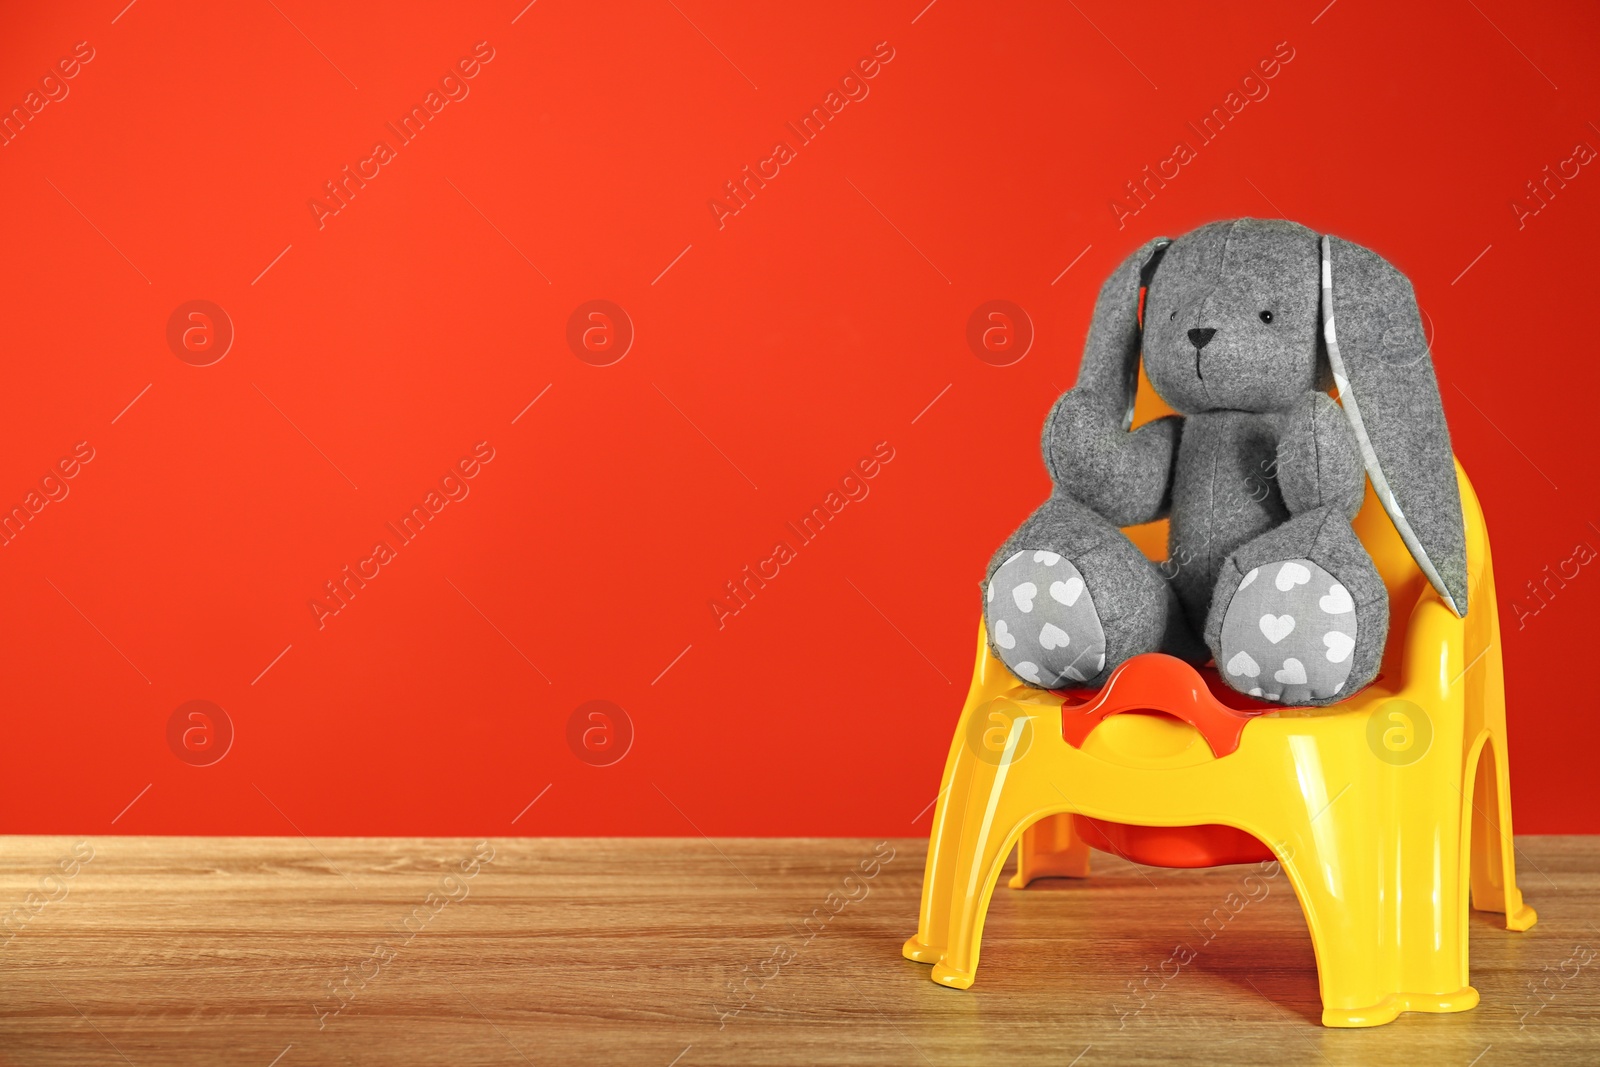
[1042, 621]
[1288, 633]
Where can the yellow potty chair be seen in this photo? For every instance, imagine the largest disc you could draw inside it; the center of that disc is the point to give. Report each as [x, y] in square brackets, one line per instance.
[1384, 810]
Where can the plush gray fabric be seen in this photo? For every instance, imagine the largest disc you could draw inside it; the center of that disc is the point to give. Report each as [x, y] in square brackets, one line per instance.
[1221, 277]
[1110, 364]
[1224, 495]
[1043, 621]
[1125, 477]
[1260, 470]
[1132, 604]
[1318, 462]
[1322, 537]
[1289, 633]
[1390, 390]
[1121, 476]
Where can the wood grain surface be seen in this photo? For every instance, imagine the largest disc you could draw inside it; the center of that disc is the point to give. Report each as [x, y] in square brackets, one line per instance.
[287, 952]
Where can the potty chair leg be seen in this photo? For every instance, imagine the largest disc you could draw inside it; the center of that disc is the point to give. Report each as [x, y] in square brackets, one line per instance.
[1488, 777]
[1050, 848]
[1494, 859]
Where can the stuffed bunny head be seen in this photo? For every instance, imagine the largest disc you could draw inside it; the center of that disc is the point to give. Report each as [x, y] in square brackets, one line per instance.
[1250, 314]
[1231, 318]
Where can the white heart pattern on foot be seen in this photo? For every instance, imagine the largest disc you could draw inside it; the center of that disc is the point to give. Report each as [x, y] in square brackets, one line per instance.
[1003, 635]
[1339, 645]
[1052, 637]
[1338, 601]
[1047, 641]
[1241, 663]
[1290, 575]
[1293, 672]
[1277, 627]
[1067, 592]
[1024, 594]
[1301, 619]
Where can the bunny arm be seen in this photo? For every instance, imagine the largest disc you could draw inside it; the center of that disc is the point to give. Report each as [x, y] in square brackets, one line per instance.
[1125, 476]
[1318, 463]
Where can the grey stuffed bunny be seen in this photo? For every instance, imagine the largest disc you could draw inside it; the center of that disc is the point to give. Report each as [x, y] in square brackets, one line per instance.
[1244, 326]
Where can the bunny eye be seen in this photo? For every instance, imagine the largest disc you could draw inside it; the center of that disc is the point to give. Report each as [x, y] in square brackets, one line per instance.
[1173, 315]
[1266, 316]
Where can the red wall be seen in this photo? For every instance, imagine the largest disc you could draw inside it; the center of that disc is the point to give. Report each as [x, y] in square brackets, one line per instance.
[772, 351]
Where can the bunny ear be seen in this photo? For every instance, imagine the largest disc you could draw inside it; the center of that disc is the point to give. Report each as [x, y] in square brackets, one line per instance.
[1384, 373]
[1111, 355]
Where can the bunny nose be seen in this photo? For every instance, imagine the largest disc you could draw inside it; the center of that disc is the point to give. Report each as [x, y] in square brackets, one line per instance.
[1201, 338]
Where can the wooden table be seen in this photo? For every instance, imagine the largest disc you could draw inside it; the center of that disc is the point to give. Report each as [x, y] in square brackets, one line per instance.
[288, 952]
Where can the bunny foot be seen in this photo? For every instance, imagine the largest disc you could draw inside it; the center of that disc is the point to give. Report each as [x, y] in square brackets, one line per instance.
[1042, 621]
[1299, 615]
[1289, 633]
[1068, 598]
